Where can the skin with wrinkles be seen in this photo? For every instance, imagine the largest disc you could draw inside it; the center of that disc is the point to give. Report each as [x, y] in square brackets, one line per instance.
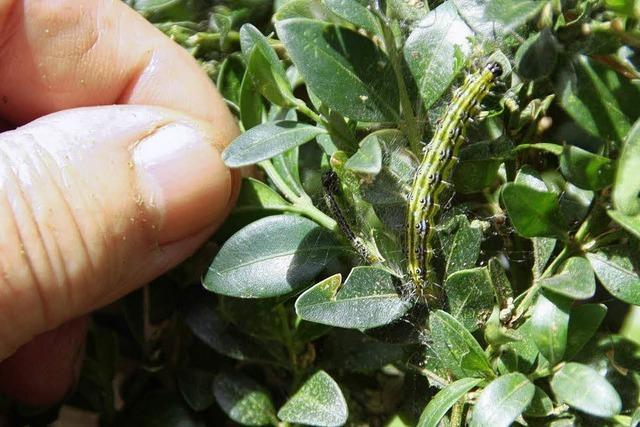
[95, 202]
[435, 169]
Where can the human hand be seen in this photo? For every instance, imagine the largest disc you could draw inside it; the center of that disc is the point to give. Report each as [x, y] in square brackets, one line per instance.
[95, 201]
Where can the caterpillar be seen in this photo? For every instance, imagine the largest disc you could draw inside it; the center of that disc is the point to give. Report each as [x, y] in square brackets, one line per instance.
[430, 179]
[330, 185]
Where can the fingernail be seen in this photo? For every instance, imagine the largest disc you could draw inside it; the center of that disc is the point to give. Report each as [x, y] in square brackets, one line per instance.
[182, 179]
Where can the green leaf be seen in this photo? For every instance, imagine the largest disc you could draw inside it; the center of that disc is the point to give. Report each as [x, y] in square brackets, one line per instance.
[444, 400]
[456, 348]
[312, 9]
[531, 178]
[536, 57]
[533, 213]
[345, 69]
[598, 98]
[436, 51]
[367, 299]
[586, 170]
[272, 84]
[196, 387]
[583, 323]
[264, 67]
[629, 8]
[250, 103]
[267, 140]
[242, 399]
[356, 352]
[258, 317]
[205, 323]
[542, 146]
[287, 166]
[368, 158]
[549, 324]
[500, 283]
[230, 79]
[542, 250]
[574, 202]
[540, 405]
[617, 273]
[471, 297]
[272, 256]
[520, 356]
[169, 10]
[575, 279]
[584, 389]
[626, 191]
[405, 12]
[387, 191]
[629, 223]
[318, 402]
[355, 13]
[478, 167]
[222, 25]
[460, 242]
[502, 401]
[257, 196]
[495, 18]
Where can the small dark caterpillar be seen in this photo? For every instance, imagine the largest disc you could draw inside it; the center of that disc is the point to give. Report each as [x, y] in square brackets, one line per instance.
[440, 156]
[331, 186]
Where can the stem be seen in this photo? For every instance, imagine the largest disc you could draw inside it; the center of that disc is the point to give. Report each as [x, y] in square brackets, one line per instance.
[569, 249]
[211, 40]
[301, 204]
[409, 122]
[603, 239]
[335, 132]
[301, 106]
[280, 184]
[532, 292]
[290, 345]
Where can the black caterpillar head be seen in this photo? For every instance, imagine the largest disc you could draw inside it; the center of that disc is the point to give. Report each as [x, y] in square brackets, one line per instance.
[330, 181]
[495, 68]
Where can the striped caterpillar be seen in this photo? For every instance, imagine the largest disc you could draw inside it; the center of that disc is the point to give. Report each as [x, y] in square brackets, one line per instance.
[331, 187]
[430, 179]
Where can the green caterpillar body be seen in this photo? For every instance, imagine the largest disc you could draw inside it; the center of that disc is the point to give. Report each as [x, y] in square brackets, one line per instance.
[430, 179]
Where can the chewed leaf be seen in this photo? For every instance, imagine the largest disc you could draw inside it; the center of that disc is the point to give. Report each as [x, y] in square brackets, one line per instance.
[367, 299]
[368, 159]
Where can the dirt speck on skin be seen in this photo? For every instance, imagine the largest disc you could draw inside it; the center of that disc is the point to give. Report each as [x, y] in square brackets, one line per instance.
[5, 99]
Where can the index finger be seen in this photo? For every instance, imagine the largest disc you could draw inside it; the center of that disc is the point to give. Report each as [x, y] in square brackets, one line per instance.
[61, 54]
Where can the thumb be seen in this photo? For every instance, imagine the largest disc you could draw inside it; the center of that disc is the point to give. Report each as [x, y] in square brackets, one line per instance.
[97, 201]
